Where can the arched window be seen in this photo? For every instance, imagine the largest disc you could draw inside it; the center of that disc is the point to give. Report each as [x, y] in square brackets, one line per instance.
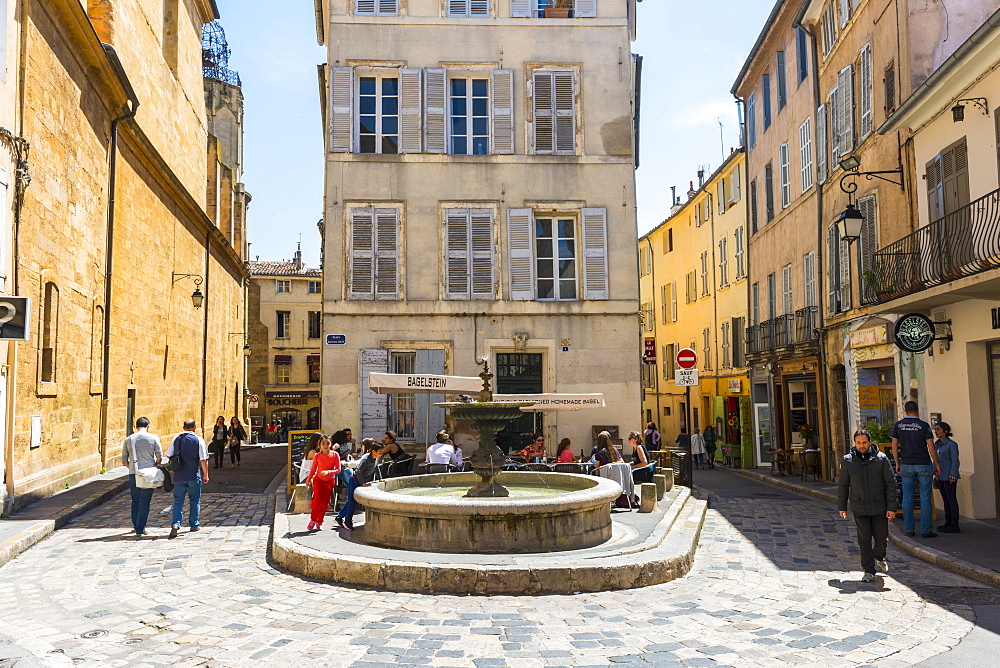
[49, 333]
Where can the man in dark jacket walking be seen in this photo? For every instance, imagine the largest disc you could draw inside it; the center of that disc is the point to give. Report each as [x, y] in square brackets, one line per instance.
[867, 480]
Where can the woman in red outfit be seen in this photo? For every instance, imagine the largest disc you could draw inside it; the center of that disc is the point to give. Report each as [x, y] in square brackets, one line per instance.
[322, 476]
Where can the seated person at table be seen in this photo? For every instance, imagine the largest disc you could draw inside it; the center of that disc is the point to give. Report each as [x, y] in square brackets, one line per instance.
[441, 452]
[606, 453]
[642, 466]
[365, 472]
[392, 449]
[533, 450]
[564, 452]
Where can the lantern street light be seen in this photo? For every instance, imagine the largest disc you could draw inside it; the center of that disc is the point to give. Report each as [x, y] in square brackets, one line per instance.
[197, 297]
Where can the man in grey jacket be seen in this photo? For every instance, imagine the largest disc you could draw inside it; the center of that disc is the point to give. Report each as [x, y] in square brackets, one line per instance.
[141, 450]
[867, 481]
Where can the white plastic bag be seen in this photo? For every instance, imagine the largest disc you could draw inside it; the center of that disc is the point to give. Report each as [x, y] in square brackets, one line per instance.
[148, 478]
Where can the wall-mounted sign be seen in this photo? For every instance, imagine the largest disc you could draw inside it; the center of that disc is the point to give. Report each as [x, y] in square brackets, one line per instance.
[649, 351]
[870, 336]
[15, 318]
[336, 339]
[735, 385]
[914, 333]
[996, 317]
[686, 377]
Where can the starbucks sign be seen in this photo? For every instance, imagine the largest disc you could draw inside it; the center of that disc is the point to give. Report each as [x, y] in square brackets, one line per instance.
[914, 333]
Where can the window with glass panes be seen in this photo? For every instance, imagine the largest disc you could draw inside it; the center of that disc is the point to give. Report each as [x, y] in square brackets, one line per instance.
[283, 373]
[315, 287]
[470, 116]
[555, 258]
[378, 117]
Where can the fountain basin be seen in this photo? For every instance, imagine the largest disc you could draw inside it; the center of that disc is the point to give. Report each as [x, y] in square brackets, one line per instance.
[547, 512]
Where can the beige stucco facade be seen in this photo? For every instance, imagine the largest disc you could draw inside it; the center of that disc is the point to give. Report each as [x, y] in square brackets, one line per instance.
[583, 338]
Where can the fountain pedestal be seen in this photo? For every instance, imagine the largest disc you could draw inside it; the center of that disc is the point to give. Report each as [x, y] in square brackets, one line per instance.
[487, 460]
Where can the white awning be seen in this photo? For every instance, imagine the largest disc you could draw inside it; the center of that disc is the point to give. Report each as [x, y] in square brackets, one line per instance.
[555, 402]
[423, 383]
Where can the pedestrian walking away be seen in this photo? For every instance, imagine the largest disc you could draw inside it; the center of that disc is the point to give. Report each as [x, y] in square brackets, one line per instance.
[220, 434]
[698, 448]
[947, 451]
[363, 476]
[711, 445]
[237, 434]
[141, 450]
[917, 463]
[867, 486]
[189, 478]
[322, 477]
[652, 437]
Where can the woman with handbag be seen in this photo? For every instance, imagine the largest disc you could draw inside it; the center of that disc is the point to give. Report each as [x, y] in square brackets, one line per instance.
[220, 434]
[141, 452]
[236, 437]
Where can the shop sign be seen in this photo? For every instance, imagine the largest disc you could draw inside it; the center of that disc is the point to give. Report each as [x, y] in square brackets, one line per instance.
[290, 398]
[649, 351]
[914, 333]
[868, 397]
[996, 317]
[870, 336]
[735, 386]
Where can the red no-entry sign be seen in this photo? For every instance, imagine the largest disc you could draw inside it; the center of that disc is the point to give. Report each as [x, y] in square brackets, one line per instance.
[687, 358]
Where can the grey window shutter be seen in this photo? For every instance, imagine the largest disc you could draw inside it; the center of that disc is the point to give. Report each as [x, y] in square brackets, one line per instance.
[955, 177]
[479, 8]
[845, 11]
[362, 254]
[374, 407]
[481, 251]
[519, 255]
[868, 207]
[834, 130]
[585, 9]
[865, 90]
[364, 7]
[565, 113]
[409, 111]
[821, 143]
[436, 101]
[595, 254]
[832, 277]
[542, 110]
[845, 84]
[935, 193]
[520, 8]
[388, 7]
[341, 109]
[457, 253]
[845, 276]
[387, 258]
[502, 83]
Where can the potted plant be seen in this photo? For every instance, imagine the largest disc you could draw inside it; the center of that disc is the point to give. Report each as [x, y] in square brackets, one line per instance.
[805, 433]
[559, 9]
[882, 435]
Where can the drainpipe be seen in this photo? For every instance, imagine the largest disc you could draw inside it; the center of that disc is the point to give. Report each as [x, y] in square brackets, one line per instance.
[204, 332]
[652, 277]
[119, 71]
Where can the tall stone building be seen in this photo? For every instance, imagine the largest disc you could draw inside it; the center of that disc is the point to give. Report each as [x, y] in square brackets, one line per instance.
[137, 282]
[480, 202]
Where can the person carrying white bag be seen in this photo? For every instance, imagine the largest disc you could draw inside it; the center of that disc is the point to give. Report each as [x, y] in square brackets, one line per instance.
[141, 453]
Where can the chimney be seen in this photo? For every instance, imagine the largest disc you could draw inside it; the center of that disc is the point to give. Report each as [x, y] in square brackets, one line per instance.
[701, 177]
[691, 190]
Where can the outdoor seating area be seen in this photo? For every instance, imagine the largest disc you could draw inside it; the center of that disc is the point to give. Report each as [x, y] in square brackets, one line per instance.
[804, 461]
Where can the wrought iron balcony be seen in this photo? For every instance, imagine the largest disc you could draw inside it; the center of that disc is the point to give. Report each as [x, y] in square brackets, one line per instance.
[805, 325]
[964, 243]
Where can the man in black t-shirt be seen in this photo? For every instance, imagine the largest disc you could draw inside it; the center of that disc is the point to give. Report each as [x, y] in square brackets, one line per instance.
[916, 463]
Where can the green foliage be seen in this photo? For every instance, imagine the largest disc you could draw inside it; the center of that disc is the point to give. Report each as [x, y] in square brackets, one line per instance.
[879, 433]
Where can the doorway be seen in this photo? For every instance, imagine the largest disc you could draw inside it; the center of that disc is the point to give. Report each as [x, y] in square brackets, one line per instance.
[519, 373]
[993, 350]
[130, 412]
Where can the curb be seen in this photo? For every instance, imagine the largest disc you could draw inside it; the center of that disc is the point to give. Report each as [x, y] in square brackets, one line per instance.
[670, 559]
[43, 528]
[938, 558]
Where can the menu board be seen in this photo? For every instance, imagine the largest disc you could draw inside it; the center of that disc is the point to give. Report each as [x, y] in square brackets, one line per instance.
[298, 441]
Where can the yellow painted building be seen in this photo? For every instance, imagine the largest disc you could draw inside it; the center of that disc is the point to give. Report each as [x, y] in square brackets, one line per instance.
[693, 290]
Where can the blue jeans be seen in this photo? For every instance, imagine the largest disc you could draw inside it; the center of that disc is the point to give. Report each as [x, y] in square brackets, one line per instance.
[140, 504]
[347, 511]
[191, 489]
[345, 475]
[922, 474]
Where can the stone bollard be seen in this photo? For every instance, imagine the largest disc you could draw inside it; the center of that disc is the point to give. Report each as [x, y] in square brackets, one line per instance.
[668, 475]
[660, 481]
[647, 497]
[302, 502]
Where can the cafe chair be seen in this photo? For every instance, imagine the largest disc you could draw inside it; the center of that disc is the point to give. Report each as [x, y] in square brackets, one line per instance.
[543, 468]
[810, 463]
[438, 468]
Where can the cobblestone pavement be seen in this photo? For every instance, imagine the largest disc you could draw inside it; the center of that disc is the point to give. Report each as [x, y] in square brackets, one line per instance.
[767, 589]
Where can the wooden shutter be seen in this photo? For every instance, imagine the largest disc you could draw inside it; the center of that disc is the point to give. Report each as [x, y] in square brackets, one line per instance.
[866, 90]
[845, 84]
[869, 241]
[565, 112]
[786, 289]
[502, 84]
[673, 304]
[364, 7]
[734, 186]
[809, 279]
[481, 251]
[784, 173]
[955, 177]
[362, 254]
[832, 278]
[935, 194]
[374, 407]
[436, 101]
[821, 143]
[996, 123]
[409, 111]
[584, 9]
[388, 7]
[521, 264]
[845, 276]
[456, 253]
[387, 258]
[834, 129]
[805, 154]
[341, 109]
[520, 9]
[479, 8]
[458, 7]
[542, 111]
[722, 196]
[845, 11]
[595, 254]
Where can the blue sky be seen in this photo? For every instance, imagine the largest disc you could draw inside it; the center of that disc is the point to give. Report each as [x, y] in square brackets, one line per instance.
[692, 52]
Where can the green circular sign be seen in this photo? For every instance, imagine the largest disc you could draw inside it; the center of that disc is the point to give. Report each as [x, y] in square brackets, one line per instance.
[914, 333]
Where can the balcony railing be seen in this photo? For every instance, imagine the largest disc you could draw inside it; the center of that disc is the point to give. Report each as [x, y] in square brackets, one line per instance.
[966, 242]
[805, 325]
[792, 329]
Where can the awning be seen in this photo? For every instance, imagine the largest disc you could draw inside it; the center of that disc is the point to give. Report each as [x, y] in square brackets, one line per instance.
[423, 383]
[555, 402]
[282, 359]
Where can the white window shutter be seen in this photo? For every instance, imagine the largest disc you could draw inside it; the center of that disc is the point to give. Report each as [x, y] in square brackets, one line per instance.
[673, 304]
[388, 7]
[866, 90]
[869, 239]
[502, 83]
[374, 408]
[409, 111]
[364, 7]
[542, 104]
[387, 258]
[458, 7]
[362, 254]
[845, 276]
[436, 118]
[584, 9]
[595, 254]
[734, 188]
[832, 277]
[479, 8]
[520, 259]
[845, 84]
[481, 250]
[520, 8]
[565, 112]
[457, 253]
[834, 130]
[805, 154]
[845, 11]
[341, 109]
[821, 143]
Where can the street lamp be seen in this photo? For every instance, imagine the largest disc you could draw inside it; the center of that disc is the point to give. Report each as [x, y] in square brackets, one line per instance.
[849, 224]
[197, 297]
[246, 350]
[958, 111]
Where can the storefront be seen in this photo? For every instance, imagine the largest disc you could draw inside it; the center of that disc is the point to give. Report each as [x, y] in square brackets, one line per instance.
[295, 409]
[730, 411]
[786, 402]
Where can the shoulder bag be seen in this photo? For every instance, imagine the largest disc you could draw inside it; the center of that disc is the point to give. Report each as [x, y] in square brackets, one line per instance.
[176, 461]
[146, 478]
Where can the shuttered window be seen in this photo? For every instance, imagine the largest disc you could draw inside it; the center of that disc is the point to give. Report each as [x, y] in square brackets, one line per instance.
[673, 303]
[845, 86]
[754, 215]
[469, 254]
[889, 87]
[765, 95]
[521, 8]
[519, 254]
[725, 346]
[785, 175]
[868, 206]
[821, 144]
[772, 296]
[838, 272]
[734, 186]
[829, 22]
[596, 283]
[410, 88]
[844, 9]
[554, 112]
[376, 7]
[769, 191]
[341, 109]
[706, 346]
[502, 89]
[809, 278]
[752, 119]
[865, 91]
[721, 198]
[834, 128]
[469, 8]
[806, 154]
[786, 289]
[782, 87]
[723, 262]
[948, 180]
[740, 253]
[374, 254]
[704, 274]
[664, 303]
[802, 53]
